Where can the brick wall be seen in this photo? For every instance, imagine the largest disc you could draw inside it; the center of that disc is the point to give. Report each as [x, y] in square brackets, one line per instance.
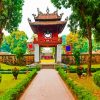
[84, 59]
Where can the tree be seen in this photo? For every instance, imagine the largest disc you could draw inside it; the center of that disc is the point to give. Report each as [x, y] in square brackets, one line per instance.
[10, 15]
[86, 16]
[64, 40]
[72, 38]
[5, 47]
[63, 43]
[81, 44]
[95, 45]
[18, 43]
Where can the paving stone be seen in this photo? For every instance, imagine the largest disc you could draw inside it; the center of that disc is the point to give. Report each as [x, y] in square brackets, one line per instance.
[47, 85]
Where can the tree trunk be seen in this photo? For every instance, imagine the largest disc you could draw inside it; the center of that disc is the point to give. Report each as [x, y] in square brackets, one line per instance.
[1, 5]
[1, 36]
[90, 52]
[89, 36]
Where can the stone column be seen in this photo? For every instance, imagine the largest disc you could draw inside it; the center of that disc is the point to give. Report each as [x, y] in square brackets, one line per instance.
[58, 54]
[36, 53]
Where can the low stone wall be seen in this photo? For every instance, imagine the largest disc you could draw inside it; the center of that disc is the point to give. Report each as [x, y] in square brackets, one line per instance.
[11, 59]
[69, 59]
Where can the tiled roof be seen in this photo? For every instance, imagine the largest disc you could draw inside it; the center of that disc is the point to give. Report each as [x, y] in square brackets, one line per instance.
[47, 22]
[48, 16]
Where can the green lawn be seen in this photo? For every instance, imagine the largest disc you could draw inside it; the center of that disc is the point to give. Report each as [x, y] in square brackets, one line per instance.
[9, 82]
[86, 82]
[4, 66]
[85, 66]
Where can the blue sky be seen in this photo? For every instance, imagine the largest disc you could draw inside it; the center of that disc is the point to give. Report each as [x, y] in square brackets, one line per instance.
[30, 7]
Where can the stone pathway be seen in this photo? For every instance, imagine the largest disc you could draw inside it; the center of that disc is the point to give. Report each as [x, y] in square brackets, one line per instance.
[47, 85]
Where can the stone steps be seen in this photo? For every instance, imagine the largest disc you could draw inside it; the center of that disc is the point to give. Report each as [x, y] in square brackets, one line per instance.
[47, 66]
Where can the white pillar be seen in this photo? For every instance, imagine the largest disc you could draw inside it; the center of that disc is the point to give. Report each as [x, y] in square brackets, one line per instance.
[58, 55]
[36, 53]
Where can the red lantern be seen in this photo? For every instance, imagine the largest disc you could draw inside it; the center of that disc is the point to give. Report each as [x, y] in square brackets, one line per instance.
[30, 46]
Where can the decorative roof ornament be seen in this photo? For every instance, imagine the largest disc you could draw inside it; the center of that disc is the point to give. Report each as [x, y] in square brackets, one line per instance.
[47, 10]
[34, 15]
[56, 12]
[39, 12]
[29, 20]
[61, 14]
[66, 19]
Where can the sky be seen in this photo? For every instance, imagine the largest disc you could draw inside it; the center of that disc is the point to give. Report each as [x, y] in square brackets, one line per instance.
[30, 7]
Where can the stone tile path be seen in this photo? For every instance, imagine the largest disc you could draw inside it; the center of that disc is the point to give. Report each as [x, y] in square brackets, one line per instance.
[47, 85]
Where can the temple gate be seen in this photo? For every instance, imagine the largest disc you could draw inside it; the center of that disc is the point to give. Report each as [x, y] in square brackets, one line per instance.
[47, 26]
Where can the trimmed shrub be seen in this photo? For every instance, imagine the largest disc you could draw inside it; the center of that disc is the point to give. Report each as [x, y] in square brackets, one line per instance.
[62, 73]
[80, 92]
[96, 78]
[15, 72]
[14, 93]
[74, 70]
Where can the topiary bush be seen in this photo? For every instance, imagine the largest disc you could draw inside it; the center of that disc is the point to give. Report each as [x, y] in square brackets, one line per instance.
[96, 78]
[15, 72]
[15, 92]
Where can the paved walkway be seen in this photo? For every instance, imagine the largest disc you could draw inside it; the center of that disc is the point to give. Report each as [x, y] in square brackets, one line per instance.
[47, 85]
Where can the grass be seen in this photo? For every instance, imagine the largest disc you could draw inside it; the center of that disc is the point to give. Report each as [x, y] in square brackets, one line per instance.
[4, 66]
[85, 66]
[86, 82]
[9, 82]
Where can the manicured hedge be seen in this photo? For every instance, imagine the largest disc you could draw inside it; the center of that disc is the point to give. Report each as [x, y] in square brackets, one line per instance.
[74, 70]
[96, 78]
[10, 72]
[14, 93]
[80, 92]
[22, 71]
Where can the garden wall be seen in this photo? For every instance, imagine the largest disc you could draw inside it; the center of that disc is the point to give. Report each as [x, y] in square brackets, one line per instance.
[69, 59]
[11, 59]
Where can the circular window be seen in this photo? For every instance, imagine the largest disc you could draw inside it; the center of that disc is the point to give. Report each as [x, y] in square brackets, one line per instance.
[48, 35]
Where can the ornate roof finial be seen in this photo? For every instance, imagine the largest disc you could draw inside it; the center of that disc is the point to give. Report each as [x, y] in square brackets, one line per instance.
[34, 15]
[29, 20]
[56, 12]
[39, 12]
[47, 10]
[61, 14]
[66, 19]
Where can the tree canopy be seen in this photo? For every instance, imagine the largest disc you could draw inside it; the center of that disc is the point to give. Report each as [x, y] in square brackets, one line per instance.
[63, 40]
[77, 42]
[10, 15]
[17, 41]
[85, 16]
[5, 47]
[72, 38]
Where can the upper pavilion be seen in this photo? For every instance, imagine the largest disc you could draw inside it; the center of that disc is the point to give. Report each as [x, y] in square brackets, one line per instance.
[47, 26]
